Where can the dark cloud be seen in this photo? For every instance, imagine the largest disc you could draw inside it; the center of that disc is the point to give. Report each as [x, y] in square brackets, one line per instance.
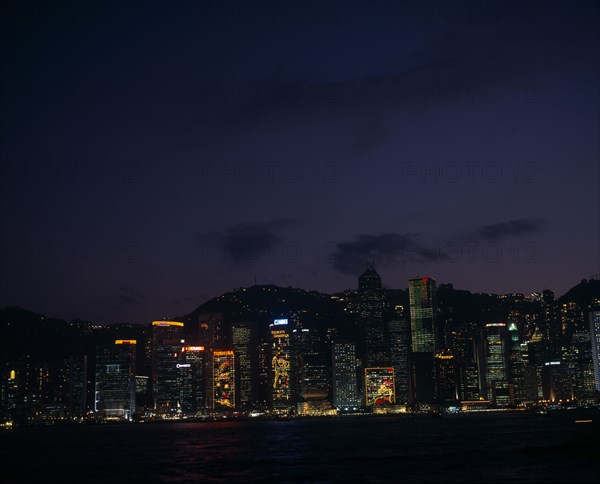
[247, 242]
[392, 249]
[128, 295]
[512, 228]
[386, 249]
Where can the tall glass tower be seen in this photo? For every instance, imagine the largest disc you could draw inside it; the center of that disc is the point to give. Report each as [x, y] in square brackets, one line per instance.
[345, 393]
[595, 336]
[422, 330]
[167, 339]
[422, 314]
[372, 302]
[115, 379]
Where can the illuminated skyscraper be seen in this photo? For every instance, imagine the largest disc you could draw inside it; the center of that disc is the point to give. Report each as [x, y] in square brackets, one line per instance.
[422, 299]
[115, 379]
[223, 379]
[465, 352]
[345, 392]
[379, 386]
[243, 337]
[371, 306]
[496, 376]
[445, 380]
[422, 314]
[595, 336]
[399, 344]
[516, 366]
[167, 341]
[191, 379]
[578, 356]
[557, 383]
[281, 358]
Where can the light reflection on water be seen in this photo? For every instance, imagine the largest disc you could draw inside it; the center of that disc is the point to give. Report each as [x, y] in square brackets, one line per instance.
[383, 449]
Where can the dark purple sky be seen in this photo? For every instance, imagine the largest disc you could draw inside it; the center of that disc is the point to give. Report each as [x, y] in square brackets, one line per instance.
[157, 154]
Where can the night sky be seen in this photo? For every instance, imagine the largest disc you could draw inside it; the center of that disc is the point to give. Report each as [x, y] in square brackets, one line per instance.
[157, 154]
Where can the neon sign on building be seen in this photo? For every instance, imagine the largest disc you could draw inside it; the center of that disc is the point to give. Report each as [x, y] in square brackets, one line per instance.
[379, 386]
[223, 380]
[280, 365]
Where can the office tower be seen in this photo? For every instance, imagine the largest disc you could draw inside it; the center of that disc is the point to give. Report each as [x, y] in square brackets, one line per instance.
[345, 392]
[191, 379]
[578, 357]
[8, 391]
[571, 320]
[223, 379]
[398, 349]
[371, 308]
[115, 379]
[464, 349]
[595, 337]
[143, 396]
[244, 342]
[281, 366]
[422, 300]
[75, 368]
[379, 386]
[557, 382]
[445, 379]
[264, 384]
[516, 366]
[167, 341]
[551, 324]
[496, 375]
[311, 357]
[422, 314]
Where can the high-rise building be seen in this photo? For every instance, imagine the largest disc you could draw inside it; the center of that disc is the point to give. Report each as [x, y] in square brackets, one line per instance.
[496, 375]
[578, 357]
[345, 392]
[115, 379]
[263, 383]
[445, 379]
[167, 341]
[595, 337]
[557, 383]
[399, 345]
[371, 309]
[379, 386]
[143, 399]
[223, 379]
[422, 314]
[516, 366]
[191, 379]
[76, 368]
[422, 298]
[551, 324]
[465, 351]
[243, 338]
[281, 366]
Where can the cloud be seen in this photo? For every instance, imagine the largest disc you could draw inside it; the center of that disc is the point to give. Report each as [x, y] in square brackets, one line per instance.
[128, 295]
[512, 228]
[350, 257]
[247, 242]
[386, 249]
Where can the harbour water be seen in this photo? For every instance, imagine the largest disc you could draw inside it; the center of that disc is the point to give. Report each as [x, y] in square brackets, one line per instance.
[501, 447]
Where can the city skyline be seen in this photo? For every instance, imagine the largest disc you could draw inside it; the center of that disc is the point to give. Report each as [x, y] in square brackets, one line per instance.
[154, 157]
[365, 351]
